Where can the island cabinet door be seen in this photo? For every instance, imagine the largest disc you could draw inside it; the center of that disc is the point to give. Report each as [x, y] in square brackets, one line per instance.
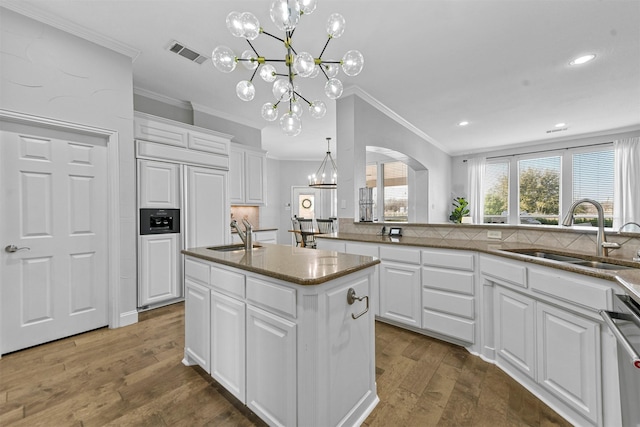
[271, 367]
[196, 325]
[400, 293]
[228, 343]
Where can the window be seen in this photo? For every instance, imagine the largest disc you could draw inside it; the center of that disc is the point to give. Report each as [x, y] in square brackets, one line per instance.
[544, 187]
[395, 190]
[496, 192]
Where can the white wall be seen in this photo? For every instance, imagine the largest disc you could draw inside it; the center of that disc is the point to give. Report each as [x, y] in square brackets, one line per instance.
[50, 73]
[359, 125]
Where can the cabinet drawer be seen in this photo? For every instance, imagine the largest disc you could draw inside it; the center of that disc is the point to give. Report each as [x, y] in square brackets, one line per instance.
[404, 255]
[450, 326]
[268, 236]
[569, 289]
[198, 271]
[510, 272]
[227, 282]
[448, 259]
[271, 296]
[454, 281]
[362, 249]
[445, 302]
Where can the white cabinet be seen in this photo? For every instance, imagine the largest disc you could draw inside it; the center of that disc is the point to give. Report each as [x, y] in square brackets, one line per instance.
[400, 296]
[247, 171]
[266, 236]
[197, 339]
[366, 249]
[515, 330]
[228, 343]
[206, 211]
[568, 363]
[159, 268]
[448, 294]
[271, 367]
[158, 185]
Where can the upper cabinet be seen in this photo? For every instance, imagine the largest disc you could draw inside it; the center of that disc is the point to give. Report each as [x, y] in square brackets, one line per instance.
[247, 171]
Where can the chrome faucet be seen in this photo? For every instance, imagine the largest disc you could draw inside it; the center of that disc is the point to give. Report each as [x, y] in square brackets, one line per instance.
[245, 236]
[602, 246]
[627, 223]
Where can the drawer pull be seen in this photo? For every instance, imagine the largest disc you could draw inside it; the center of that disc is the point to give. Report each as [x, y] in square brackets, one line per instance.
[352, 297]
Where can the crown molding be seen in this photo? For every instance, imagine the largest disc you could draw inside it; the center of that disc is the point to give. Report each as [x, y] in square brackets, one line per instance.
[40, 15]
[365, 96]
[161, 98]
[224, 115]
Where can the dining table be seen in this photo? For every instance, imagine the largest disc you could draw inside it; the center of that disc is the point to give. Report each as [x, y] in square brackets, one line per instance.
[305, 234]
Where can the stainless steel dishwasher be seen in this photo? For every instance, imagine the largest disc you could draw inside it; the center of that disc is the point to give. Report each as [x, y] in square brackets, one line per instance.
[624, 322]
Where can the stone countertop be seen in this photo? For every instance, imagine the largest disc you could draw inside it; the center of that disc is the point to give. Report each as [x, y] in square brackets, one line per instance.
[258, 229]
[300, 266]
[629, 279]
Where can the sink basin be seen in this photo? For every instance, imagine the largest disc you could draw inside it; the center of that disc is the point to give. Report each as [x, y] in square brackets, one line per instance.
[231, 248]
[574, 260]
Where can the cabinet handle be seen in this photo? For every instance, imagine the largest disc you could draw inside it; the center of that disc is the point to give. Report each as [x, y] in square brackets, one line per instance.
[352, 297]
[624, 342]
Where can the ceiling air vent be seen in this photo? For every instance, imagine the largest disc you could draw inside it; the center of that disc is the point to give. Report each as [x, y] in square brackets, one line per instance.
[185, 52]
[557, 130]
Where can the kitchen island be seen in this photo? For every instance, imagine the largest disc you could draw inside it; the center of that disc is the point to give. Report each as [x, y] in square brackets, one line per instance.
[286, 330]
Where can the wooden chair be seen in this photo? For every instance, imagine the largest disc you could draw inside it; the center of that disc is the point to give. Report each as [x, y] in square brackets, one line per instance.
[297, 232]
[306, 226]
[325, 226]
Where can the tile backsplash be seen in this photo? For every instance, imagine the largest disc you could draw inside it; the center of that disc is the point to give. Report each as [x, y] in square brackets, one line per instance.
[251, 213]
[571, 239]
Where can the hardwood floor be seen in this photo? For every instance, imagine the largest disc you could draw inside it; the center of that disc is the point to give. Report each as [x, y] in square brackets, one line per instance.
[133, 376]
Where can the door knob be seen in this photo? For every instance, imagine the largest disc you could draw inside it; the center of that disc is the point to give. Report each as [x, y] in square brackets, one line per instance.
[14, 248]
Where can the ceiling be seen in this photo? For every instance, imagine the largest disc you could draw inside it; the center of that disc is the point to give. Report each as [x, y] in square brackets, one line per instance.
[501, 65]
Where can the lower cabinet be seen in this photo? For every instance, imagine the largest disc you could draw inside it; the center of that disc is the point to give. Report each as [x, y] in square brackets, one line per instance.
[159, 272]
[271, 367]
[515, 330]
[228, 343]
[568, 364]
[400, 293]
[197, 340]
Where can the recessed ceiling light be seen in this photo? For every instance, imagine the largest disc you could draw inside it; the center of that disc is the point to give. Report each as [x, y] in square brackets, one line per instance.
[583, 59]
[560, 125]
[463, 123]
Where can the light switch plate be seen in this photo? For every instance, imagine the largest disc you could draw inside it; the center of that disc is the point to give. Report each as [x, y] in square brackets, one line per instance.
[492, 234]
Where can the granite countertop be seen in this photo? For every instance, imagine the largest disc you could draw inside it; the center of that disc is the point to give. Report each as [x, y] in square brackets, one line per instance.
[258, 229]
[629, 279]
[292, 264]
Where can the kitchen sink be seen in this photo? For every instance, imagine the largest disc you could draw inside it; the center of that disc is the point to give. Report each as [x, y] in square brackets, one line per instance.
[231, 248]
[584, 261]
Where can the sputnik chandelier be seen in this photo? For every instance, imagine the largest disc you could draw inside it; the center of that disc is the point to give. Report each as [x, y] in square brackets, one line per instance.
[285, 14]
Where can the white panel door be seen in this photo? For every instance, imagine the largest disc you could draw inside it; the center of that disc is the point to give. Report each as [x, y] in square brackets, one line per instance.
[159, 271]
[207, 214]
[236, 175]
[158, 185]
[400, 293]
[255, 165]
[54, 202]
[197, 332]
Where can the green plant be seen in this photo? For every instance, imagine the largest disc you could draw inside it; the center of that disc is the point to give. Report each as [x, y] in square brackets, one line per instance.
[460, 209]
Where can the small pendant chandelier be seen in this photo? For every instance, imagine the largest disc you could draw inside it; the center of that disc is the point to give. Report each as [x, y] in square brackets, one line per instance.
[327, 174]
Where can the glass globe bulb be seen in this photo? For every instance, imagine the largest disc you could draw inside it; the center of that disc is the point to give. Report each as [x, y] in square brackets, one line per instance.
[285, 14]
[335, 25]
[224, 59]
[245, 90]
[352, 63]
[333, 88]
[315, 72]
[268, 73]
[250, 25]
[296, 107]
[307, 6]
[304, 64]
[317, 109]
[282, 90]
[290, 124]
[234, 24]
[331, 70]
[269, 112]
[250, 65]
